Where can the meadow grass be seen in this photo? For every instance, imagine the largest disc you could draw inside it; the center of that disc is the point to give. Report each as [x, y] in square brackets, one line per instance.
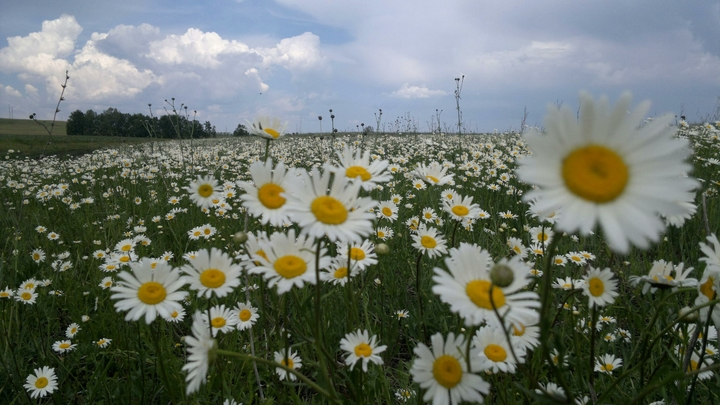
[69, 209]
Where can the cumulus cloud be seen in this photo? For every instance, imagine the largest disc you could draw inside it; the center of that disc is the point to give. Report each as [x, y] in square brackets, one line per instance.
[195, 48]
[301, 52]
[10, 91]
[407, 91]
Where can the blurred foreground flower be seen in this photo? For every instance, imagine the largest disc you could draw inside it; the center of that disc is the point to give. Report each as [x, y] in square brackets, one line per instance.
[267, 127]
[604, 170]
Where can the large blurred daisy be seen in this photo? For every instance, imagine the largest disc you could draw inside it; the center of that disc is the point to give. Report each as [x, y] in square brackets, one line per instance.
[603, 169]
[267, 127]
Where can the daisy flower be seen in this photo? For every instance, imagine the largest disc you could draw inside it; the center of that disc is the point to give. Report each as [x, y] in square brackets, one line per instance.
[42, 382]
[289, 261]
[38, 255]
[336, 210]
[220, 319]
[527, 335]
[494, 350]
[387, 210]
[665, 276]
[517, 247]
[149, 292]
[7, 293]
[26, 296]
[599, 287]
[106, 283]
[356, 165]
[212, 273]
[267, 127]
[428, 240]
[540, 234]
[461, 209]
[176, 316]
[442, 371]
[292, 361]
[103, 342]
[362, 255]
[434, 174]
[360, 346]
[607, 363]
[603, 170]
[125, 246]
[72, 330]
[62, 346]
[384, 233]
[467, 287]
[200, 346]
[553, 390]
[337, 272]
[265, 196]
[246, 315]
[204, 191]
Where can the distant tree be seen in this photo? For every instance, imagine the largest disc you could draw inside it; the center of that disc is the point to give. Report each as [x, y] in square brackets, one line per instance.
[76, 123]
[91, 123]
[241, 130]
[209, 129]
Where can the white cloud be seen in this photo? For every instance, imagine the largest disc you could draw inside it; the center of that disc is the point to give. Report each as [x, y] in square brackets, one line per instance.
[253, 74]
[10, 91]
[31, 90]
[195, 48]
[407, 91]
[300, 52]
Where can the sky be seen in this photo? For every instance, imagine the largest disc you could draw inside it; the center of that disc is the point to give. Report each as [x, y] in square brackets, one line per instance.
[231, 61]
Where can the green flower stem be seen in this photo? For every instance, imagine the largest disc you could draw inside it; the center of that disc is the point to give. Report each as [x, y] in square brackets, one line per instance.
[158, 359]
[318, 322]
[591, 362]
[300, 376]
[267, 149]
[419, 297]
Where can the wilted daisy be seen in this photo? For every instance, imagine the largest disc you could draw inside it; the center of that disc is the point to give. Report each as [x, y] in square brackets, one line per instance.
[442, 371]
[603, 170]
[288, 261]
[359, 346]
[267, 127]
[356, 165]
[149, 292]
[212, 273]
[336, 211]
[265, 196]
[204, 191]
[42, 382]
[220, 319]
[469, 291]
[430, 241]
[292, 361]
[608, 363]
[245, 314]
[599, 287]
[200, 346]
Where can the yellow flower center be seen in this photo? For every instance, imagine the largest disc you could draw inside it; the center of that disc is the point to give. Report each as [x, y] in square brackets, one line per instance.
[329, 210]
[380, 234]
[218, 322]
[340, 273]
[693, 365]
[479, 293]
[363, 350]
[173, 315]
[596, 287]
[212, 278]
[64, 345]
[124, 259]
[518, 332]
[269, 196]
[428, 242]
[287, 362]
[542, 236]
[41, 382]
[495, 353]
[26, 296]
[36, 256]
[447, 371]
[290, 266]
[151, 293]
[205, 190]
[460, 210]
[433, 179]
[706, 288]
[275, 134]
[595, 173]
[358, 171]
[387, 211]
[607, 367]
[126, 248]
[357, 254]
[245, 315]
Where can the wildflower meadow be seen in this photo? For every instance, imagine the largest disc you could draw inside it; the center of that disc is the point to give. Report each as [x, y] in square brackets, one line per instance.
[575, 263]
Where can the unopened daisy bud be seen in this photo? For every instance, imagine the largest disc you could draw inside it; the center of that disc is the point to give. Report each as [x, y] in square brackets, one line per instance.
[501, 275]
[685, 315]
[85, 318]
[240, 237]
[382, 249]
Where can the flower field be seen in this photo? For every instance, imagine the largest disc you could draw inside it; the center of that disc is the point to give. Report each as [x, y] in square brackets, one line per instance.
[575, 265]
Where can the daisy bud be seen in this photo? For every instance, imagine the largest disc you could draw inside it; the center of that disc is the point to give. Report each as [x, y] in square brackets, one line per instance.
[240, 237]
[501, 275]
[686, 316]
[382, 249]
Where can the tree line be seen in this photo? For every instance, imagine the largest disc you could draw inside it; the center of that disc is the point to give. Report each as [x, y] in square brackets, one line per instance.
[112, 122]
